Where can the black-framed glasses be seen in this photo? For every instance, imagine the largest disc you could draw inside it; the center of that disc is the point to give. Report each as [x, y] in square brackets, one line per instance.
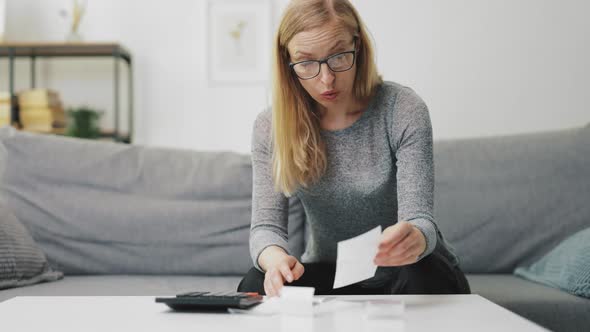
[338, 62]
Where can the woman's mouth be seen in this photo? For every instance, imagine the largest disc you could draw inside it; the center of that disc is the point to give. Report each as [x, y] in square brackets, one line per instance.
[330, 95]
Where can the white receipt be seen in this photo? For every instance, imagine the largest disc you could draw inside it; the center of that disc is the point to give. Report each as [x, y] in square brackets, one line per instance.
[302, 294]
[297, 300]
[354, 262]
[293, 300]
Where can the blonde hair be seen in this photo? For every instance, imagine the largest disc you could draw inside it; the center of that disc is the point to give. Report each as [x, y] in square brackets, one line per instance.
[299, 156]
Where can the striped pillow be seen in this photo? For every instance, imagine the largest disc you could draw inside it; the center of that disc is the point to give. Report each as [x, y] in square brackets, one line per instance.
[21, 261]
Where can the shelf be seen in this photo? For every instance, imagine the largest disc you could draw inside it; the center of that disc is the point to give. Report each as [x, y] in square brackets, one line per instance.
[34, 50]
[104, 134]
[58, 49]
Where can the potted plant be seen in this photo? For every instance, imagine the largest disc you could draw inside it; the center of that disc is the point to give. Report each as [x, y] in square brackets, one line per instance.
[83, 122]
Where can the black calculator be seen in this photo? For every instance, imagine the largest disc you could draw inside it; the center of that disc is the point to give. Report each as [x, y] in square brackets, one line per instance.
[211, 301]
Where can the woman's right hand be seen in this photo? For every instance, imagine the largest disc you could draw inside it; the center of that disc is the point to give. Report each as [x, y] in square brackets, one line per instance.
[280, 268]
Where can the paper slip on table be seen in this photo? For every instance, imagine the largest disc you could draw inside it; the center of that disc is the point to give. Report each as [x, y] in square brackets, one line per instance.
[425, 313]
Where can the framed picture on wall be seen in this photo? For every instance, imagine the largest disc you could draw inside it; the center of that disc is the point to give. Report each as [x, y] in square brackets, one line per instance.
[239, 41]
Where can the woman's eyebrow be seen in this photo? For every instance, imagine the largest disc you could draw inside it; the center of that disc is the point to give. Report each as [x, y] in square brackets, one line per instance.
[302, 53]
[337, 45]
[299, 53]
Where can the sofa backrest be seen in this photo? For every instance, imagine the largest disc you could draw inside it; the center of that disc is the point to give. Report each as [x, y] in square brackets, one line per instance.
[506, 201]
[107, 208]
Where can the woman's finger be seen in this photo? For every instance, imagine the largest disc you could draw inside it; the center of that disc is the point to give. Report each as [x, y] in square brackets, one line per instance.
[393, 235]
[412, 255]
[409, 257]
[402, 247]
[286, 272]
[268, 290]
[276, 280]
[270, 277]
[298, 271]
[397, 250]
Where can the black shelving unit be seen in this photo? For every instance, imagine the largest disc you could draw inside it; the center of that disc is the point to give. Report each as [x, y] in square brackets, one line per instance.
[13, 50]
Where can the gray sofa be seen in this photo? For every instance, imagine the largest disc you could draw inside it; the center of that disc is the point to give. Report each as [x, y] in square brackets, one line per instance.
[133, 220]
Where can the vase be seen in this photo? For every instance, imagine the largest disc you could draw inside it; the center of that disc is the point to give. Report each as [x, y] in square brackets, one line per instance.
[74, 37]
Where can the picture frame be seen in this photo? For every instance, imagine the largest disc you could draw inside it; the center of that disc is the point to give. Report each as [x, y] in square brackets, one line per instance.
[239, 41]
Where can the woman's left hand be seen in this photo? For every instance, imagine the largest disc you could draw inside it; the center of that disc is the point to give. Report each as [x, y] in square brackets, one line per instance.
[400, 244]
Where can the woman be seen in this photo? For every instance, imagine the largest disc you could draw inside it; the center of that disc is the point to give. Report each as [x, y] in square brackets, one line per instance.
[356, 151]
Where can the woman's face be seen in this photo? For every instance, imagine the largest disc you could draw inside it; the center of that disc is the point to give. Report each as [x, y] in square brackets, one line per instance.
[329, 89]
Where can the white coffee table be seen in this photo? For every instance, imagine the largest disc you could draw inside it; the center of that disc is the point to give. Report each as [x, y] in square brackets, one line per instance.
[140, 313]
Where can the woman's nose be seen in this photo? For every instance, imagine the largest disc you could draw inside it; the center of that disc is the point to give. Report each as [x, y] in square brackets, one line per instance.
[326, 74]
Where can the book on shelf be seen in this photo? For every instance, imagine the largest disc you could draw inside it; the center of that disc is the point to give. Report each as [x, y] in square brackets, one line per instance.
[4, 97]
[45, 129]
[55, 117]
[4, 113]
[39, 98]
[4, 108]
[40, 110]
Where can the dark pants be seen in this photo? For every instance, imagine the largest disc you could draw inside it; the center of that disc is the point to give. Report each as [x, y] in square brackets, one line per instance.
[434, 274]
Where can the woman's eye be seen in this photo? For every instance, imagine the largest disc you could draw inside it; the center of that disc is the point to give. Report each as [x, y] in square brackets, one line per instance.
[339, 57]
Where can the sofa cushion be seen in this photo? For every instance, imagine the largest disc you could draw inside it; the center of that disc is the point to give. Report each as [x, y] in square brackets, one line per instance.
[566, 267]
[22, 263]
[503, 202]
[125, 285]
[549, 307]
[108, 208]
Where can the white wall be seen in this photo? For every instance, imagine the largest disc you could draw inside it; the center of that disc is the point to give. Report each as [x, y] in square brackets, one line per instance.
[488, 67]
[483, 67]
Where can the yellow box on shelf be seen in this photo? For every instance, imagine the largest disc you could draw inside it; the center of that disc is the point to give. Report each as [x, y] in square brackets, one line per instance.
[4, 114]
[42, 115]
[45, 129]
[4, 97]
[38, 98]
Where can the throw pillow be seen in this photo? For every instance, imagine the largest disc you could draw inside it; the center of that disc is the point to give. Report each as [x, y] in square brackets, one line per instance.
[21, 261]
[566, 267]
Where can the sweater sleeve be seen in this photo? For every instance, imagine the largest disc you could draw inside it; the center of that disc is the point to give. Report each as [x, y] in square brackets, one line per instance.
[269, 207]
[412, 138]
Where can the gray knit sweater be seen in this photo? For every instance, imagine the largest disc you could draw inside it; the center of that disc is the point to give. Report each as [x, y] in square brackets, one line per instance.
[380, 171]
